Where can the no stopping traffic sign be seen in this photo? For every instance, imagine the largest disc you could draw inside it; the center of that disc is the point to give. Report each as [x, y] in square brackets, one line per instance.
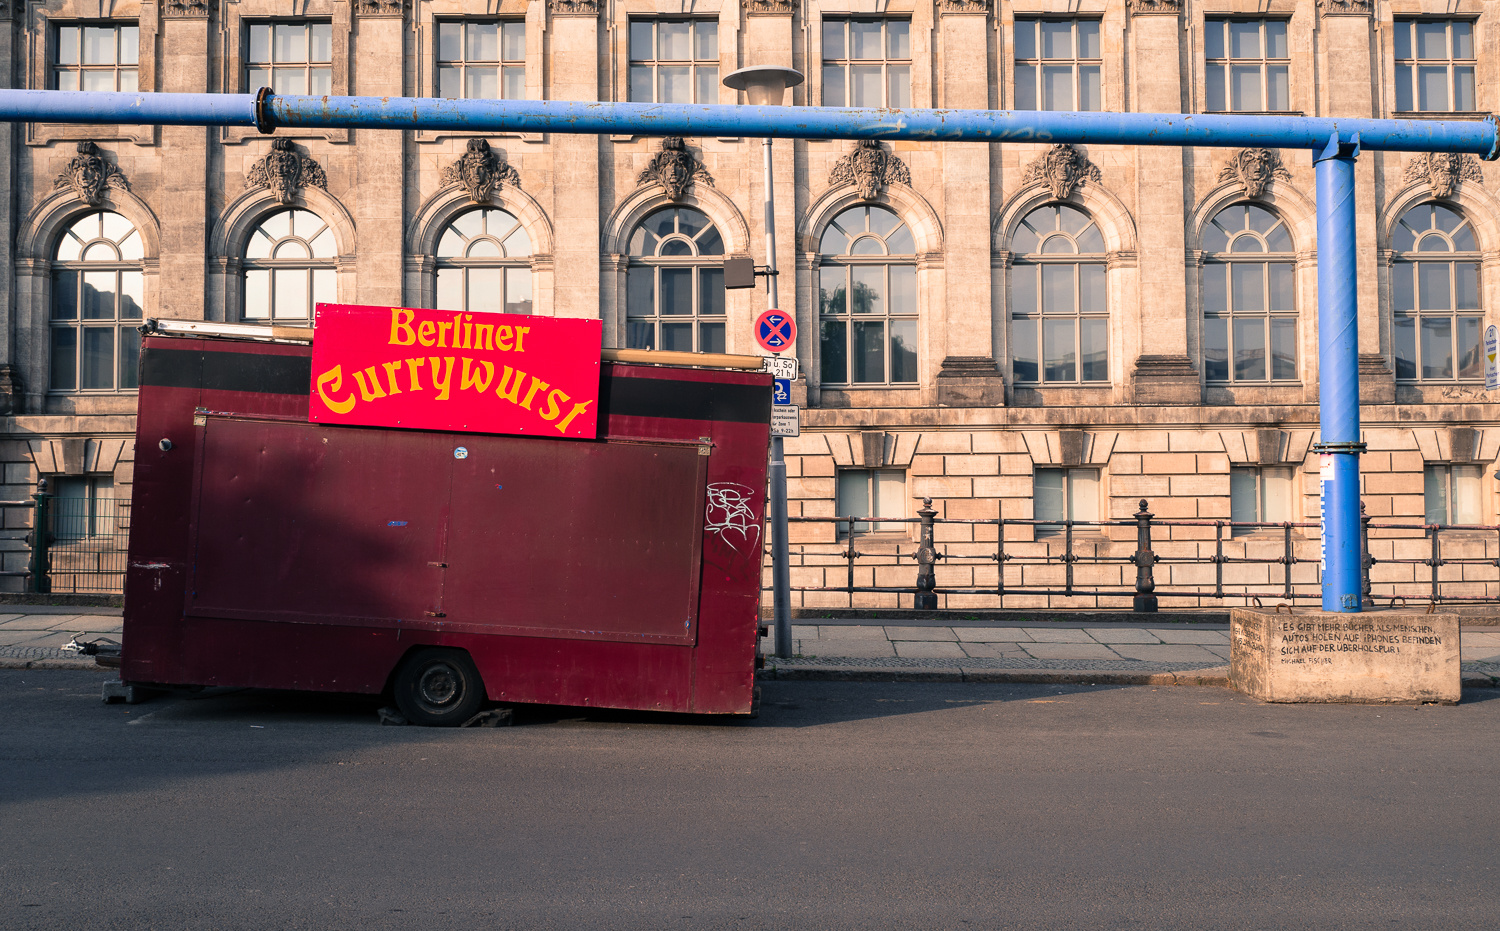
[776, 331]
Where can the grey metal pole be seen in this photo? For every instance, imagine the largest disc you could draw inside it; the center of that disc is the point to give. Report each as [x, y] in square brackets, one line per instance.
[781, 573]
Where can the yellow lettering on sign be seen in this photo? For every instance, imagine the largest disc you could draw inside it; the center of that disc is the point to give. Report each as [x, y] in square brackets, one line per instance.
[484, 334]
[391, 368]
[478, 384]
[577, 409]
[521, 332]
[554, 397]
[371, 390]
[333, 380]
[425, 329]
[503, 336]
[401, 332]
[443, 329]
[506, 390]
[536, 385]
[411, 366]
[445, 381]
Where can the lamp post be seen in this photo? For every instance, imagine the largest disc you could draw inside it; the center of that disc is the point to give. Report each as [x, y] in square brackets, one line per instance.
[766, 87]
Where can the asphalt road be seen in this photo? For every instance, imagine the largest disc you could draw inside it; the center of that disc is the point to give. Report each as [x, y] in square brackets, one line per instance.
[853, 805]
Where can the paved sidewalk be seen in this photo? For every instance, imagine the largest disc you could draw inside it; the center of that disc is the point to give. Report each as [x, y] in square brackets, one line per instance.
[1176, 654]
[35, 639]
[1054, 651]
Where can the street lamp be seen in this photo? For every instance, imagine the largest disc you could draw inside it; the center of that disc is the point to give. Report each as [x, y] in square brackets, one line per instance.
[766, 87]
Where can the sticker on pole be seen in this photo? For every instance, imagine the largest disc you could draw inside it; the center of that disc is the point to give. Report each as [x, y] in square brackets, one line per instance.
[786, 420]
[776, 331]
[1491, 345]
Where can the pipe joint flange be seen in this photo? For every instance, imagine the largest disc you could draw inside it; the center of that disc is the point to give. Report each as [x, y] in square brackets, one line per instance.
[263, 121]
[1354, 448]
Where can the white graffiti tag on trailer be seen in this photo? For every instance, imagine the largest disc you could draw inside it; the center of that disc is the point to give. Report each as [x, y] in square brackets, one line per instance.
[730, 514]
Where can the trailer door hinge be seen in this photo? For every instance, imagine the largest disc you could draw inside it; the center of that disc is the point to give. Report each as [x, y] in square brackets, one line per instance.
[706, 445]
[438, 565]
[434, 614]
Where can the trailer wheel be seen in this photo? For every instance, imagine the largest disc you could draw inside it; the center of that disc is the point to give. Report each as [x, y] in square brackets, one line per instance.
[439, 688]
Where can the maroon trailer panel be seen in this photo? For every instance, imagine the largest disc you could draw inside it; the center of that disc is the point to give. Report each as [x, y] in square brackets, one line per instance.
[271, 552]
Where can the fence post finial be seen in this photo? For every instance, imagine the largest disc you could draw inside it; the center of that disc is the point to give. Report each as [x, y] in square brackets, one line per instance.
[1144, 559]
[926, 598]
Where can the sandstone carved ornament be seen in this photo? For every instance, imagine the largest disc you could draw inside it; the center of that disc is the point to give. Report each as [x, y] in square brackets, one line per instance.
[379, 7]
[1155, 6]
[285, 172]
[1253, 170]
[185, 8]
[1063, 169]
[1357, 7]
[88, 174]
[574, 6]
[769, 6]
[1442, 171]
[870, 168]
[964, 6]
[674, 168]
[481, 170]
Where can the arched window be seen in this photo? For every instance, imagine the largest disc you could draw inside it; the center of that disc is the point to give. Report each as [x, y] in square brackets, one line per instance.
[867, 299]
[484, 264]
[674, 284]
[1435, 296]
[288, 267]
[1059, 307]
[1249, 297]
[98, 291]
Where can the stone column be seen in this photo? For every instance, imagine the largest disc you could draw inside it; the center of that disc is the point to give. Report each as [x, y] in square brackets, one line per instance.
[969, 376]
[185, 36]
[1347, 48]
[576, 205]
[1164, 373]
[11, 400]
[377, 70]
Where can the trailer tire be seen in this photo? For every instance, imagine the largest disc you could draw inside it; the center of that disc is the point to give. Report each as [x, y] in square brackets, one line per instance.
[438, 688]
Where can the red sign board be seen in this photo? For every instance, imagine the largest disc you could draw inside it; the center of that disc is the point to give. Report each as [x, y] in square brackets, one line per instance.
[440, 370]
[775, 330]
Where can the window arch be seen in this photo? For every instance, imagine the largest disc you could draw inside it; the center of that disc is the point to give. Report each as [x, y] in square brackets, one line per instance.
[98, 293]
[288, 268]
[674, 293]
[867, 299]
[1435, 296]
[484, 263]
[1059, 319]
[1249, 297]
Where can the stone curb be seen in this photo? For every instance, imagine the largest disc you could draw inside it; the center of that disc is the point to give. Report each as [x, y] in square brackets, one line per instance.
[1217, 676]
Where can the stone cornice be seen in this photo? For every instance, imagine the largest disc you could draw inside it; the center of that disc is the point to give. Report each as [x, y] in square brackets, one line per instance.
[187, 9]
[964, 6]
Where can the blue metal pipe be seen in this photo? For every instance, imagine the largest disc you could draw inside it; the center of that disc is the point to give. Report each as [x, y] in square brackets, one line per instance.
[1338, 374]
[1477, 137]
[1336, 142]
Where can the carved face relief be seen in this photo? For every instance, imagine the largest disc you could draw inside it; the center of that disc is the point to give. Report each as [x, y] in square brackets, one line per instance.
[88, 174]
[1253, 170]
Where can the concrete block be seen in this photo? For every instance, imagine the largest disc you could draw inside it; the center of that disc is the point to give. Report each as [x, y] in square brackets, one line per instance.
[1376, 656]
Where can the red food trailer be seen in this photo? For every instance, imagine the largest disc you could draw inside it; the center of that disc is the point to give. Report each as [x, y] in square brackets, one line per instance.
[445, 567]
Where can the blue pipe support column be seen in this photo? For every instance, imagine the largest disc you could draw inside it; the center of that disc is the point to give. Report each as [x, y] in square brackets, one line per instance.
[1338, 374]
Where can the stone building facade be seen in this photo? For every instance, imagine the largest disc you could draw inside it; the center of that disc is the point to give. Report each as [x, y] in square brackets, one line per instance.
[1020, 330]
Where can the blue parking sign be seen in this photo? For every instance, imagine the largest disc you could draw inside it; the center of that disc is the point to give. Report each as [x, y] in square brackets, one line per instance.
[782, 393]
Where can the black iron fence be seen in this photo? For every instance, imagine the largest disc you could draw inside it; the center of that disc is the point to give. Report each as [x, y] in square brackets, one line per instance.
[1140, 561]
[65, 544]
